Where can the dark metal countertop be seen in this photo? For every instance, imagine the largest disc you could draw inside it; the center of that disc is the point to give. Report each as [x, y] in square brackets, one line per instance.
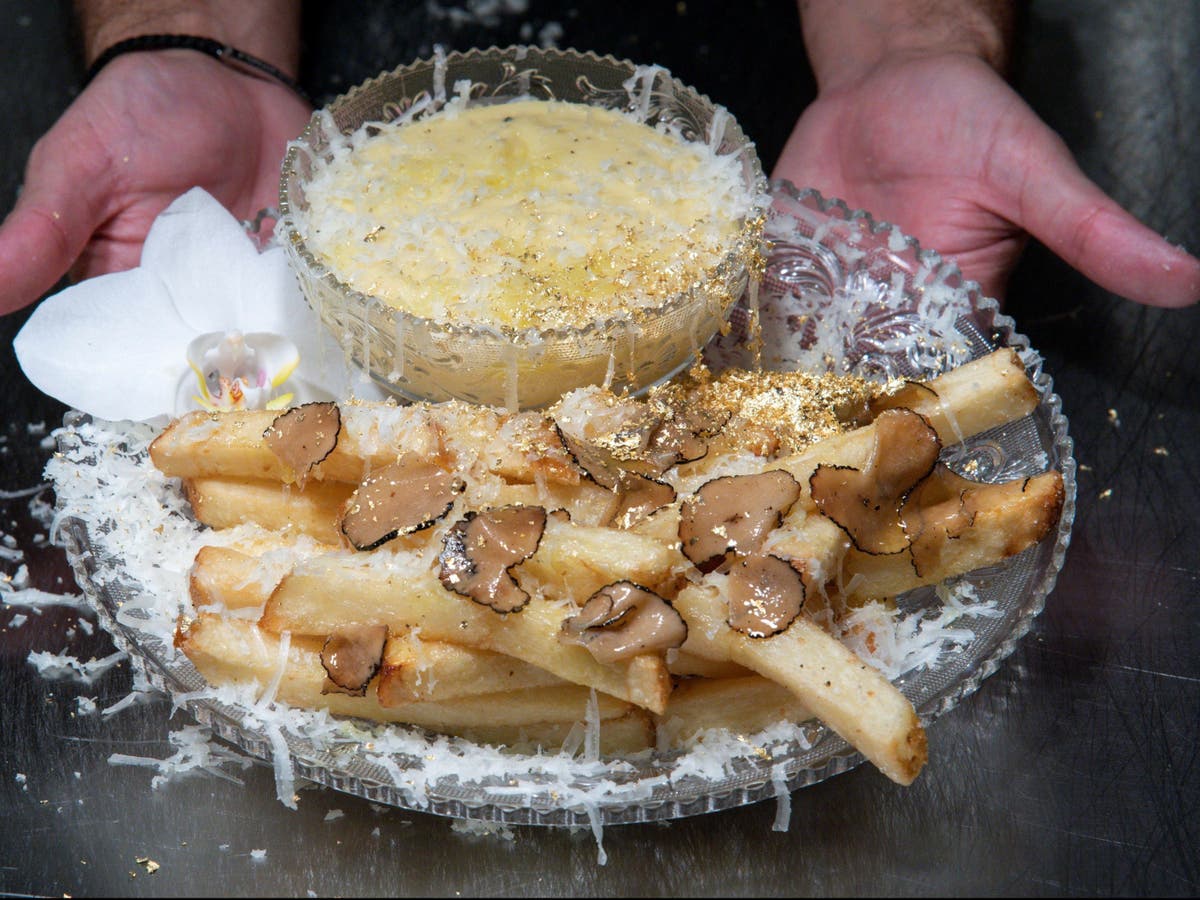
[1073, 770]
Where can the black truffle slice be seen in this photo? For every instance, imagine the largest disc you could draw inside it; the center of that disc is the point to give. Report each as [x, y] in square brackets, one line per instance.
[765, 595]
[684, 437]
[595, 462]
[734, 514]
[479, 552]
[866, 504]
[639, 497]
[351, 656]
[400, 498]
[304, 436]
[622, 620]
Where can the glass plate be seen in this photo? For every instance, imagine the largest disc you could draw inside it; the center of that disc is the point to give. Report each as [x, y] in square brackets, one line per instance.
[839, 291]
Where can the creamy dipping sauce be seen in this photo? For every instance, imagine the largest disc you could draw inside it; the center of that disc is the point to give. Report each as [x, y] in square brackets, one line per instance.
[524, 214]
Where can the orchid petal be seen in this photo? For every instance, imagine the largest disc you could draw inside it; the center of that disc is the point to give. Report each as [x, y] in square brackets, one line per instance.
[195, 239]
[207, 261]
[112, 346]
[116, 346]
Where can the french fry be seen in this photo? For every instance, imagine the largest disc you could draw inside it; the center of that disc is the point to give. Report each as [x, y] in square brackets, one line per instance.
[221, 502]
[689, 665]
[744, 705]
[225, 577]
[518, 449]
[416, 670]
[848, 695]
[231, 444]
[1009, 518]
[975, 397]
[411, 598]
[314, 509]
[232, 651]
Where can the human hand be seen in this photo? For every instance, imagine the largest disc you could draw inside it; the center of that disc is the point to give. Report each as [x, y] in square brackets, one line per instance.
[941, 146]
[148, 128]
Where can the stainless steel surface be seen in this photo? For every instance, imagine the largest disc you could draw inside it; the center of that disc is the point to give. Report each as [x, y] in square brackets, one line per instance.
[1073, 769]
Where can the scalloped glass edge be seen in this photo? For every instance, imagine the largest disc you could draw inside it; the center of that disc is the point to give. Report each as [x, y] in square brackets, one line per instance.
[827, 756]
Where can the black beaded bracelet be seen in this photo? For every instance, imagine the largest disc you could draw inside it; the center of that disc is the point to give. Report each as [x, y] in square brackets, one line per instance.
[243, 62]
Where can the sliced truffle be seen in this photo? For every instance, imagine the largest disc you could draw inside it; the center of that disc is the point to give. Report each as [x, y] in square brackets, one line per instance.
[766, 594]
[594, 463]
[400, 498]
[351, 656]
[622, 620]
[479, 552]
[685, 434]
[304, 436]
[639, 497]
[866, 503]
[734, 514]
[604, 434]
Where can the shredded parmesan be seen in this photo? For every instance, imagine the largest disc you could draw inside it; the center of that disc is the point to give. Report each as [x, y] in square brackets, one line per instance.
[194, 752]
[525, 214]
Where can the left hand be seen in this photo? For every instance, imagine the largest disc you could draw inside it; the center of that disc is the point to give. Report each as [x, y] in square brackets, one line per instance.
[939, 145]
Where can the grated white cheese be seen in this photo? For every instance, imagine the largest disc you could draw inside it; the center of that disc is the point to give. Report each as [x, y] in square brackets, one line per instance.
[194, 752]
[525, 214]
[783, 799]
[58, 666]
[37, 599]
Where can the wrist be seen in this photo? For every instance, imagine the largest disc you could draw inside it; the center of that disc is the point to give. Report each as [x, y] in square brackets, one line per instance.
[266, 29]
[846, 39]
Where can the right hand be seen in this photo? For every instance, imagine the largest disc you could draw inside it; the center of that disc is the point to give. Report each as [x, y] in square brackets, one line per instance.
[150, 127]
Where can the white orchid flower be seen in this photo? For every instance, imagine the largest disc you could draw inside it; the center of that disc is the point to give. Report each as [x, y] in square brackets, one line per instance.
[206, 321]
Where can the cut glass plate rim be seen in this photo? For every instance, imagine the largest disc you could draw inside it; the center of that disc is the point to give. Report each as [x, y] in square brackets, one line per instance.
[749, 778]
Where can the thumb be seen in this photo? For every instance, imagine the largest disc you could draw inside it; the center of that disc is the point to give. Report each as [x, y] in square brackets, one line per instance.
[59, 208]
[1073, 217]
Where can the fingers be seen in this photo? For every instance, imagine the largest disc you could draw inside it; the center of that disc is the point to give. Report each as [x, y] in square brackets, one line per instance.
[1067, 212]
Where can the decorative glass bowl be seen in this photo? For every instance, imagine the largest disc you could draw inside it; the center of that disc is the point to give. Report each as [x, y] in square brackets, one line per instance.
[840, 290]
[427, 359]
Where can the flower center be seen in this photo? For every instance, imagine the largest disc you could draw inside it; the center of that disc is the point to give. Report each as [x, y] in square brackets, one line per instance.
[237, 371]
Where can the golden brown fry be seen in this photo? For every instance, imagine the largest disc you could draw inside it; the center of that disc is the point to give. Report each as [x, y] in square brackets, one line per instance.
[228, 578]
[686, 664]
[312, 510]
[744, 705]
[221, 502]
[966, 401]
[409, 595]
[233, 651]
[231, 444]
[417, 670]
[843, 691]
[244, 574]
[518, 449]
[1007, 519]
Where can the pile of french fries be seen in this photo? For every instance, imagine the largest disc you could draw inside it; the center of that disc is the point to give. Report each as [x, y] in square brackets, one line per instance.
[450, 663]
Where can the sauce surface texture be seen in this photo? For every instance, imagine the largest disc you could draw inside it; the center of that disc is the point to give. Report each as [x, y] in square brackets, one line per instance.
[524, 214]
